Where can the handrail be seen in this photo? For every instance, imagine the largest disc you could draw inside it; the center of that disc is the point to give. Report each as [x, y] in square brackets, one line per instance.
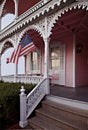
[35, 96]
[28, 103]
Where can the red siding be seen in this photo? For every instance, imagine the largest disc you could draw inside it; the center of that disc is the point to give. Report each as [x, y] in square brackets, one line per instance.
[9, 7]
[24, 5]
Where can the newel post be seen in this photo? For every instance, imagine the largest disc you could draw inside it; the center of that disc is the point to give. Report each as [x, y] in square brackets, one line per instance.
[23, 120]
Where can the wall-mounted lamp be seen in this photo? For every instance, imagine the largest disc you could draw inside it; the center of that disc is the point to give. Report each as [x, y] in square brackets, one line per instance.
[79, 48]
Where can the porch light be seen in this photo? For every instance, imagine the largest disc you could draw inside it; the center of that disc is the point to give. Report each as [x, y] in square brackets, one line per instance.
[79, 48]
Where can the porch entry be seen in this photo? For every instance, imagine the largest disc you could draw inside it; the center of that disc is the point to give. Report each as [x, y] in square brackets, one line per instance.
[57, 63]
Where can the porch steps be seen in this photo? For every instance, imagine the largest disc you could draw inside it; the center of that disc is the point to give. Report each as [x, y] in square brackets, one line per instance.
[57, 116]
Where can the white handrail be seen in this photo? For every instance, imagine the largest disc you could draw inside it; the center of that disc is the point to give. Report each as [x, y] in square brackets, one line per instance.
[35, 96]
[28, 103]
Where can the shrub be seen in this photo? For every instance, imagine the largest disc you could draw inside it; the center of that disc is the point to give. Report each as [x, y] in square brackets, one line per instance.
[9, 102]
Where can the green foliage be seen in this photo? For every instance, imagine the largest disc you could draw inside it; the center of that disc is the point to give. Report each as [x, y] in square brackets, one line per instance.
[9, 102]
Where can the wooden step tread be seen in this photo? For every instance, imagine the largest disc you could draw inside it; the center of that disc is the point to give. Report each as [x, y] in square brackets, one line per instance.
[66, 108]
[54, 116]
[44, 125]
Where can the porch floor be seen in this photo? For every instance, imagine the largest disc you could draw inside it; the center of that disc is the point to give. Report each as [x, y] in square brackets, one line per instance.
[77, 93]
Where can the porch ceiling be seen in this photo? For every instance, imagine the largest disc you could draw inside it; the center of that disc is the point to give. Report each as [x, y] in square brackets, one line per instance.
[72, 21]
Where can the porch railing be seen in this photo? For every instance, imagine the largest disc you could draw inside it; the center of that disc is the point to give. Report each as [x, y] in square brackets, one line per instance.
[22, 79]
[9, 78]
[28, 103]
[29, 79]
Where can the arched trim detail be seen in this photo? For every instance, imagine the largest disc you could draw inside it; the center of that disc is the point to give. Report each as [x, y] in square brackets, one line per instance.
[7, 40]
[33, 27]
[3, 4]
[77, 5]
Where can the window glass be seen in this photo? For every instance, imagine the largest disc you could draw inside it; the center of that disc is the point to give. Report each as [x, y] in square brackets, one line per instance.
[35, 61]
[7, 19]
[55, 58]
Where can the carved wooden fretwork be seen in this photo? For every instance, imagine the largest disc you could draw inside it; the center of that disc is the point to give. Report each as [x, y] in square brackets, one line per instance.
[54, 17]
[44, 26]
[13, 40]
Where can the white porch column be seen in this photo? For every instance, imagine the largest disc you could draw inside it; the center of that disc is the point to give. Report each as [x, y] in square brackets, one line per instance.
[16, 73]
[0, 23]
[0, 64]
[0, 17]
[25, 57]
[46, 64]
[74, 58]
[16, 8]
[15, 65]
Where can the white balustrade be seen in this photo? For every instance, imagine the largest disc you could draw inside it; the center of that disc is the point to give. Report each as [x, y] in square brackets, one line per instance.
[28, 103]
[35, 96]
[9, 78]
[22, 79]
[29, 79]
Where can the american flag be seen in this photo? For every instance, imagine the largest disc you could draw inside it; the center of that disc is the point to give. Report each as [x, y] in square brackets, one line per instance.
[25, 46]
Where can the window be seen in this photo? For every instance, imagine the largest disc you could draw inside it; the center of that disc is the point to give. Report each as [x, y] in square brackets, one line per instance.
[35, 60]
[6, 20]
[55, 58]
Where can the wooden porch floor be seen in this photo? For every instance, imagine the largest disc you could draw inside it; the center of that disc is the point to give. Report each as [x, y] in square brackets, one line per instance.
[77, 93]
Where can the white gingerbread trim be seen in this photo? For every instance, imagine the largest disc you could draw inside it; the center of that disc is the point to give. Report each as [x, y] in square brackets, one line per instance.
[33, 27]
[51, 20]
[54, 17]
[7, 40]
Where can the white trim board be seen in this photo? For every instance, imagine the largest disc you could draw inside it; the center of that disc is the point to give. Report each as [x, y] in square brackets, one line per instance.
[70, 102]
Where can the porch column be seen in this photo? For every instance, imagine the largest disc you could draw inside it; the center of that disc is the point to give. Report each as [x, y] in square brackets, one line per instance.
[46, 64]
[25, 65]
[0, 17]
[16, 73]
[0, 64]
[16, 8]
[0, 23]
[74, 50]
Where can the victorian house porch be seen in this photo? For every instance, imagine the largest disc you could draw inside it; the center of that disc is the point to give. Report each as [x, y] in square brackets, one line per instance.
[58, 29]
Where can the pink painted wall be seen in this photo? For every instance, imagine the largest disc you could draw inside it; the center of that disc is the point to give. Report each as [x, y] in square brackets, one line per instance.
[82, 67]
[81, 64]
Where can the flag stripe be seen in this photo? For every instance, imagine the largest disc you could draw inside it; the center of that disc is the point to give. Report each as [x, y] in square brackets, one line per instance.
[11, 58]
[29, 49]
[25, 46]
[17, 54]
